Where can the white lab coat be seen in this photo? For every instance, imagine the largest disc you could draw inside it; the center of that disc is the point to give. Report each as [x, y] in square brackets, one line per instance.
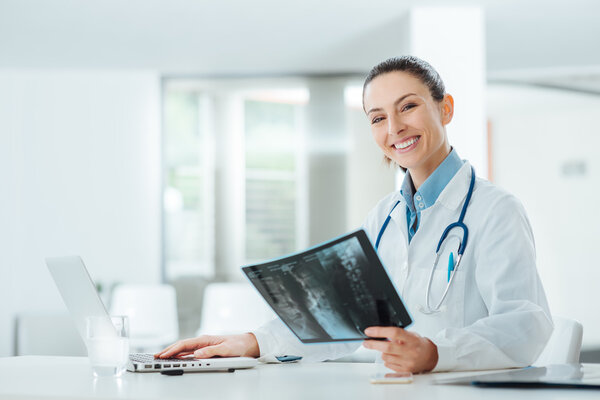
[495, 314]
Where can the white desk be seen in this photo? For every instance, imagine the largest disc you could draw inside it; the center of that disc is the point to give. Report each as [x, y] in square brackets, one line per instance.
[35, 377]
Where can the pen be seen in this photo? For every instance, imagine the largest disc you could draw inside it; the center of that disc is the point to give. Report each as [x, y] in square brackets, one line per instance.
[450, 265]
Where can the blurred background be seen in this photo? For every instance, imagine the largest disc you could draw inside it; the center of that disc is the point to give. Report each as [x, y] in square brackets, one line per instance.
[168, 143]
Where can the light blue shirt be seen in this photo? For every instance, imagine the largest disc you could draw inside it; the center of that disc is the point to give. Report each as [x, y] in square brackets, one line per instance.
[428, 192]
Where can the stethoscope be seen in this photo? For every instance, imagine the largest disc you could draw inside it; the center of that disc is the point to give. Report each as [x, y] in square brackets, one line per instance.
[452, 268]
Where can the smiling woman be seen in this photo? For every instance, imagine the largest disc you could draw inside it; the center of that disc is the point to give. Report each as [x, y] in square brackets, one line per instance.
[485, 310]
[415, 106]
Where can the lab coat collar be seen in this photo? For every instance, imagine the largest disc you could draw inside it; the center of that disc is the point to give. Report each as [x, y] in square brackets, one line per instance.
[456, 190]
[451, 197]
[399, 214]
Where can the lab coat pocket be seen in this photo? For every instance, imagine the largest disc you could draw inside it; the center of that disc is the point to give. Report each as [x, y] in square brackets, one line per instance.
[451, 309]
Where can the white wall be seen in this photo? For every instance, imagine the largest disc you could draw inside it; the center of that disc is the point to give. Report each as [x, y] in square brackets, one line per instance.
[327, 145]
[8, 202]
[80, 173]
[536, 134]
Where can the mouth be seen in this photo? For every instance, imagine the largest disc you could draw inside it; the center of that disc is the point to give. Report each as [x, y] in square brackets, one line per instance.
[407, 144]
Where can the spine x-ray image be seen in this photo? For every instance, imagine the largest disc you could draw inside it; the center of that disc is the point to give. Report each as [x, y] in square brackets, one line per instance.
[331, 292]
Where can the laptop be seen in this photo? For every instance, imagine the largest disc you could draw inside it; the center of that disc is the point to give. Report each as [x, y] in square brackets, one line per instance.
[81, 298]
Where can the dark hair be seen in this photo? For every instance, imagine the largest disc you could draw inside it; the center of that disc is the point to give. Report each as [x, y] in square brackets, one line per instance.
[418, 68]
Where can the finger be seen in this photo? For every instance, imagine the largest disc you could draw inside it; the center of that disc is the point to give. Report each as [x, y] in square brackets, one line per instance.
[188, 345]
[168, 347]
[176, 348]
[383, 346]
[211, 351]
[400, 367]
[390, 332]
[181, 344]
[184, 354]
[180, 355]
[165, 349]
[395, 358]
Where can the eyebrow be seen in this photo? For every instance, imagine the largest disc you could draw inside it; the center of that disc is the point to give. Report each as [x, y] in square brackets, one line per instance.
[395, 103]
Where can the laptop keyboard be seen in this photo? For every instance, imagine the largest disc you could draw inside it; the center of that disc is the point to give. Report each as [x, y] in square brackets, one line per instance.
[147, 358]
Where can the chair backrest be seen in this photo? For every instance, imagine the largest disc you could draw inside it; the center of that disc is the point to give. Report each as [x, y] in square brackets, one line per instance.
[564, 344]
[152, 312]
[232, 307]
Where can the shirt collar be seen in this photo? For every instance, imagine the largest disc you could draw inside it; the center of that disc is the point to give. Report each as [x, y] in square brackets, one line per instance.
[407, 191]
[430, 190]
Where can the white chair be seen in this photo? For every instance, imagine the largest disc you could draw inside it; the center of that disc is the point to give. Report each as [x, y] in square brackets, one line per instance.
[564, 345]
[232, 308]
[152, 312]
[47, 334]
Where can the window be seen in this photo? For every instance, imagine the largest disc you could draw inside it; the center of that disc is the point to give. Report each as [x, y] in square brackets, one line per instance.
[244, 135]
[188, 181]
[273, 159]
[236, 169]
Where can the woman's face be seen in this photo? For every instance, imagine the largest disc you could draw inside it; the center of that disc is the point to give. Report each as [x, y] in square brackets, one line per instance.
[407, 123]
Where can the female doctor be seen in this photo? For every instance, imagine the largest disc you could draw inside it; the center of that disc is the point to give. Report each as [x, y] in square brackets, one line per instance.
[459, 249]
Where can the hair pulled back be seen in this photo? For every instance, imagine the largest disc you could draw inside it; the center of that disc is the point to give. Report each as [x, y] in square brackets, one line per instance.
[418, 68]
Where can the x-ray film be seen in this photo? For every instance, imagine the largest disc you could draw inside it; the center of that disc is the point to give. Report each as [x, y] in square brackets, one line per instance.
[331, 292]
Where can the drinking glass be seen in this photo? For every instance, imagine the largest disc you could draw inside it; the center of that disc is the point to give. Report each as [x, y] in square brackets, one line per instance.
[107, 342]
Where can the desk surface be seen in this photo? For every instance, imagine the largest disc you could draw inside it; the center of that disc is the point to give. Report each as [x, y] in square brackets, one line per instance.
[35, 377]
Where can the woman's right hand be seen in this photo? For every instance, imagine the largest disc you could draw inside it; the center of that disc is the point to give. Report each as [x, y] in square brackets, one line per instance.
[205, 346]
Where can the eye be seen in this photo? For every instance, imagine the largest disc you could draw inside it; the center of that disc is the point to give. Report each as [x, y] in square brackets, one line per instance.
[408, 106]
[376, 120]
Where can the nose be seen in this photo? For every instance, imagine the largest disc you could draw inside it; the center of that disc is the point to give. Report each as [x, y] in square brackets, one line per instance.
[395, 125]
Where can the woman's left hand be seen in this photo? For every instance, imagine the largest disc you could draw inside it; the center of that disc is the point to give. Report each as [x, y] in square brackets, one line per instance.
[403, 351]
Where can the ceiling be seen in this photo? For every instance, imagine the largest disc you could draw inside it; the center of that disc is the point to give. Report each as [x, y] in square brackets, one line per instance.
[524, 39]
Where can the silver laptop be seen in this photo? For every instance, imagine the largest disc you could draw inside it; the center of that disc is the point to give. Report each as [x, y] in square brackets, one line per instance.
[81, 298]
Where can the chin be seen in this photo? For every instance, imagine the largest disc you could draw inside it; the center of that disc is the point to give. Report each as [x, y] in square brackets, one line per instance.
[404, 164]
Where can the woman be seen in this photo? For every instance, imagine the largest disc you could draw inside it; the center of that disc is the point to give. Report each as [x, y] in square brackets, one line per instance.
[481, 309]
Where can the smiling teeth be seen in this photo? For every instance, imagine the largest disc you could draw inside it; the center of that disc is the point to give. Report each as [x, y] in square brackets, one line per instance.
[404, 145]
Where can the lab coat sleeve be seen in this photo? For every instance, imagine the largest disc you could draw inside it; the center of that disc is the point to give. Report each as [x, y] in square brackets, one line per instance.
[518, 324]
[275, 339]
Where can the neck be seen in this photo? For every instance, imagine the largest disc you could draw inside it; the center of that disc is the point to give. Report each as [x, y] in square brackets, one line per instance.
[422, 172]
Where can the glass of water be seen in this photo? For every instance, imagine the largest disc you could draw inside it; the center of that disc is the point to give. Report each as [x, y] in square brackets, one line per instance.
[107, 343]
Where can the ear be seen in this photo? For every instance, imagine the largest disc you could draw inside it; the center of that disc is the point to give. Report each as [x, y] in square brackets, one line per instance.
[447, 109]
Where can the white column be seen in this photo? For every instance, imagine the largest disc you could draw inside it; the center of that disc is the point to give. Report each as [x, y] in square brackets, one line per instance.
[10, 211]
[326, 140]
[452, 40]
[229, 186]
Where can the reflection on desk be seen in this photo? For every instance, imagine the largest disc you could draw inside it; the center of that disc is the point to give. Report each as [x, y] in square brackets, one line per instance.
[35, 377]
